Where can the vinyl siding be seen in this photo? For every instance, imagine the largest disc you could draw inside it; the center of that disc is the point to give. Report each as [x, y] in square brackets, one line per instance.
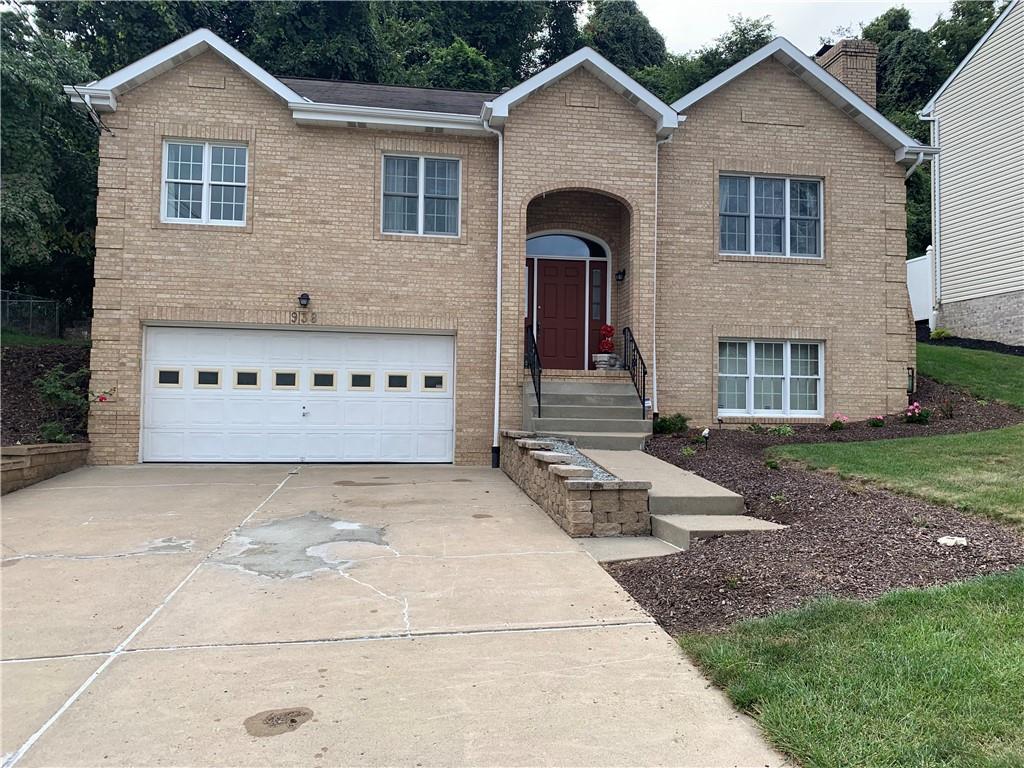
[981, 138]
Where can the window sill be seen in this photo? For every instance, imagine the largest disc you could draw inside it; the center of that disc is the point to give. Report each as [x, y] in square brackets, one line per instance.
[817, 261]
[773, 419]
[409, 237]
[204, 227]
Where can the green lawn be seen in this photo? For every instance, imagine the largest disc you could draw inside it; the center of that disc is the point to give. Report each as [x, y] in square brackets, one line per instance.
[923, 678]
[15, 339]
[978, 471]
[986, 375]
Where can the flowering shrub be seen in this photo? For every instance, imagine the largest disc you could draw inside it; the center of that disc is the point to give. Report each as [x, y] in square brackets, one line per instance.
[102, 395]
[915, 414]
[876, 421]
[838, 422]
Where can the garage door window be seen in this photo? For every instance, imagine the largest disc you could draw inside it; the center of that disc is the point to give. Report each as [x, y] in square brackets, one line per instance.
[360, 381]
[168, 377]
[323, 380]
[434, 382]
[286, 380]
[246, 379]
[398, 382]
[208, 378]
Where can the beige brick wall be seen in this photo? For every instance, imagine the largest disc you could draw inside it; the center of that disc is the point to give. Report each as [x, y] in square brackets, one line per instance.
[855, 299]
[313, 225]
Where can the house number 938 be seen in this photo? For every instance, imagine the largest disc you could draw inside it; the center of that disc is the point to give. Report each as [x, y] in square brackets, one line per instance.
[302, 318]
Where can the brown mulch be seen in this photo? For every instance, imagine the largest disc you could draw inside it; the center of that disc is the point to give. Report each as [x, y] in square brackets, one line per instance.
[843, 540]
[23, 411]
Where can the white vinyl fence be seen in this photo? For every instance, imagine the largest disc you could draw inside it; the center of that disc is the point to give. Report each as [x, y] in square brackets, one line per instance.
[919, 283]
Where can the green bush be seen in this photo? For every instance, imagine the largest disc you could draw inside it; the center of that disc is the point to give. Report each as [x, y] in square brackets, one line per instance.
[67, 395]
[670, 425]
[940, 333]
[53, 432]
[783, 430]
[687, 450]
[757, 429]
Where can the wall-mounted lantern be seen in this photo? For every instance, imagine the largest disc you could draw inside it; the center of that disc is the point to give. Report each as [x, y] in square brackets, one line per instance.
[303, 300]
[620, 276]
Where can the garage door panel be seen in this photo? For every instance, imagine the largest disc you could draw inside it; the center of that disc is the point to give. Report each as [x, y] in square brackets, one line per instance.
[224, 422]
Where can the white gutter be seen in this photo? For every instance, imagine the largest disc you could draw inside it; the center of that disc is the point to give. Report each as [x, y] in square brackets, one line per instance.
[497, 287]
[911, 169]
[654, 314]
[315, 113]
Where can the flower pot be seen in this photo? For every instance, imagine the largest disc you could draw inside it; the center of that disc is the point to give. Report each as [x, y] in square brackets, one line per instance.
[603, 362]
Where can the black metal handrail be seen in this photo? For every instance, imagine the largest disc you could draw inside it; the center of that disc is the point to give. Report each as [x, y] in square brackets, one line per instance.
[532, 361]
[633, 362]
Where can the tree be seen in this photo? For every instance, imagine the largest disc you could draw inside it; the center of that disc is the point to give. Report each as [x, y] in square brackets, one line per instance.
[458, 66]
[957, 35]
[561, 32]
[619, 31]
[49, 159]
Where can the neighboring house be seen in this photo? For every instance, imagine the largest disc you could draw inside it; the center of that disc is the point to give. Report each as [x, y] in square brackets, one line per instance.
[292, 269]
[977, 123]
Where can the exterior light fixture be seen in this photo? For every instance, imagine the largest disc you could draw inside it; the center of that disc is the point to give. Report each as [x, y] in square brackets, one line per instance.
[706, 435]
[911, 381]
[620, 276]
[303, 300]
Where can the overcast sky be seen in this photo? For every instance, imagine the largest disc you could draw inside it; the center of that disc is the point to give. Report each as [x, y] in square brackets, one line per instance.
[690, 24]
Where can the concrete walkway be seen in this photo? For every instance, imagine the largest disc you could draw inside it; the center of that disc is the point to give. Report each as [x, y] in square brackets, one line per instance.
[674, 491]
[361, 615]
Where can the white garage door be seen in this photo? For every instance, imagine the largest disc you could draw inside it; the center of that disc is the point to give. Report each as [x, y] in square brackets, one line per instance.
[214, 394]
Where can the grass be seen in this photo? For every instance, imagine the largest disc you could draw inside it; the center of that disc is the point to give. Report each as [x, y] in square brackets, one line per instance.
[15, 339]
[977, 471]
[922, 678]
[986, 375]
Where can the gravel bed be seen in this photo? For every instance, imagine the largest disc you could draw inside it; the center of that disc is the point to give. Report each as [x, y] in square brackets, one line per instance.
[600, 473]
[843, 539]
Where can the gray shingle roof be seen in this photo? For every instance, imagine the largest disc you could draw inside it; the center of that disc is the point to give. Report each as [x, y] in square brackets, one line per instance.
[389, 96]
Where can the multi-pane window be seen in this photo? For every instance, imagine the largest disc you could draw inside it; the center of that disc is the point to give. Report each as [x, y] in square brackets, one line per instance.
[770, 378]
[204, 183]
[421, 196]
[768, 216]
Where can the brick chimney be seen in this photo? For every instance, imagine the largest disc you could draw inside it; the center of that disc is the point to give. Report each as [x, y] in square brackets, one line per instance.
[852, 62]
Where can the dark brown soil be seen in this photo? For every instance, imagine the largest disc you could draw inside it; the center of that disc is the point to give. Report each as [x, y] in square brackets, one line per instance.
[843, 540]
[988, 346]
[23, 411]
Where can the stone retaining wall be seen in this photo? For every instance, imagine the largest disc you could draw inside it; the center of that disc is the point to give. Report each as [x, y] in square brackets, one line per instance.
[569, 494]
[24, 465]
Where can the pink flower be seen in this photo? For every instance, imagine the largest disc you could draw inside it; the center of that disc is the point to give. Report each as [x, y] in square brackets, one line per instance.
[102, 398]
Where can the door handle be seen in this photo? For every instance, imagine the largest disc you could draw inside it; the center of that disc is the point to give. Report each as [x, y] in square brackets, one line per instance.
[305, 411]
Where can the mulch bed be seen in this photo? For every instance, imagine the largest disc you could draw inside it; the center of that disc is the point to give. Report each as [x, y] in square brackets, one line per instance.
[844, 540]
[23, 411]
[988, 346]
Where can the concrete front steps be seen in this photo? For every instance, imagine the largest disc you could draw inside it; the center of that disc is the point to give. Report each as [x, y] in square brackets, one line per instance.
[600, 412]
[683, 506]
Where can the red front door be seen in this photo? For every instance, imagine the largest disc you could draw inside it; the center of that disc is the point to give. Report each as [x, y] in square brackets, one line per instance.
[561, 314]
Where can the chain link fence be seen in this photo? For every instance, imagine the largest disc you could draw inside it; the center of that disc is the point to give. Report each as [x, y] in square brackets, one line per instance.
[34, 315]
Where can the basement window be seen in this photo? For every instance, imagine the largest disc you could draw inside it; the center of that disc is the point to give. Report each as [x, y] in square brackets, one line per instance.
[770, 378]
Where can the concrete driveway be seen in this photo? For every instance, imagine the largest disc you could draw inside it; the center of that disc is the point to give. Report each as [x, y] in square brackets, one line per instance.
[330, 615]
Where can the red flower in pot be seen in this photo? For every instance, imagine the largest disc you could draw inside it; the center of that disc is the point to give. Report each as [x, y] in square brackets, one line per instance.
[606, 346]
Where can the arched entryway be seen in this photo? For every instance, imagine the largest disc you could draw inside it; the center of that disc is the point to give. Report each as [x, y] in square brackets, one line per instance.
[568, 295]
[577, 249]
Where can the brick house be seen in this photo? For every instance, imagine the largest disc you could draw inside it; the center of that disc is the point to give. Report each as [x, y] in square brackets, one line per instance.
[291, 269]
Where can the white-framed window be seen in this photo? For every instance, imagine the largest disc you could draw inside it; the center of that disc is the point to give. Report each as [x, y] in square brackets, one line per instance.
[168, 377]
[434, 382]
[420, 195]
[204, 183]
[770, 216]
[207, 378]
[324, 380]
[765, 377]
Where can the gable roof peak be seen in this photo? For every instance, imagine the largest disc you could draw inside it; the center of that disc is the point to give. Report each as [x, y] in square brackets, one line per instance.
[665, 117]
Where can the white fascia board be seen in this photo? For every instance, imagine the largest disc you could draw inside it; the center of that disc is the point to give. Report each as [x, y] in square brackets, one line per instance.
[181, 50]
[928, 108]
[801, 65]
[309, 113]
[666, 118]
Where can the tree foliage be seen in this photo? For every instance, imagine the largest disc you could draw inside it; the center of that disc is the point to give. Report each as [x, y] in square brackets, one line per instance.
[48, 158]
[619, 31]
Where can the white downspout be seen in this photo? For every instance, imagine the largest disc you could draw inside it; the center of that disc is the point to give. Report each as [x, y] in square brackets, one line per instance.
[495, 443]
[654, 313]
[936, 220]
